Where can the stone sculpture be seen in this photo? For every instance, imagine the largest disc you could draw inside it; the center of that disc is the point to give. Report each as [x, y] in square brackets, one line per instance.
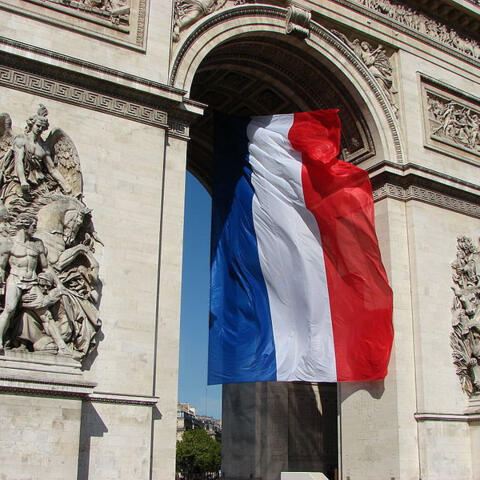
[297, 21]
[377, 62]
[415, 20]
[187, 12]
[456, 123]
[115, 11]
[465, 337]
[48, 273]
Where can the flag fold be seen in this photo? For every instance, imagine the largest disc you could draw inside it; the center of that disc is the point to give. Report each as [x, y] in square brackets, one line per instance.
[298, 289]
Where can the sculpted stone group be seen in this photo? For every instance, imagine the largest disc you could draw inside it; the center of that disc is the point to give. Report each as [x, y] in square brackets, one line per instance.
[454, 122]
[377, 62]
[49, 285]
[405, 15]
[465, 337]
[116, 11]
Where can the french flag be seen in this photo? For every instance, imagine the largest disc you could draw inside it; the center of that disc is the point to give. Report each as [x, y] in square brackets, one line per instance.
[298, 289]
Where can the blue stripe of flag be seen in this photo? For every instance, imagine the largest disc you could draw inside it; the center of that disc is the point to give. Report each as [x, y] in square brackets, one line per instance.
[241, 345]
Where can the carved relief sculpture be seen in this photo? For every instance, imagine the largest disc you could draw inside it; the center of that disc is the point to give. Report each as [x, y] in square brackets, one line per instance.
[49, 284]
[115, 12]
[298, 21]
[465, 338]
[454, 123]
[188, 12]
[377, 62]
[423, 24]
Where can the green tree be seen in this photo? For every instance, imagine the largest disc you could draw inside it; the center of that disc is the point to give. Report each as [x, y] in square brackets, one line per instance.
[197, 454]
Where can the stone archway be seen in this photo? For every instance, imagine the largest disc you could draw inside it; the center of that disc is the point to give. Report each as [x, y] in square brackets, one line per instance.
[264, 74]
[326, 53]
[240, 61]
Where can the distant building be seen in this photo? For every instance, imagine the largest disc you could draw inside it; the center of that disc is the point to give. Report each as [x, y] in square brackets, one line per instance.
[187, 419]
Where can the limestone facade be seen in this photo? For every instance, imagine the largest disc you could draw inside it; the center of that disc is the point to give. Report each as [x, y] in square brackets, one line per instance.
[133, 83]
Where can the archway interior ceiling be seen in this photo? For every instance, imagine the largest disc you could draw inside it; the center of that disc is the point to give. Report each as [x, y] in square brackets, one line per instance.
[265, 75]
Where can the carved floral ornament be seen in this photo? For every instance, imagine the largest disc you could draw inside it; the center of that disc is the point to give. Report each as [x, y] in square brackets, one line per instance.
[465, 337]
[49, 283]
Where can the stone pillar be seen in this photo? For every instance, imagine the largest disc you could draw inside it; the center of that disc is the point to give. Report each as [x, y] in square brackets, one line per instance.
[275, 427]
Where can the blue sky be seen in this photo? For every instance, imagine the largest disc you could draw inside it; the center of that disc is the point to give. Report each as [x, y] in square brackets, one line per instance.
[195, 297]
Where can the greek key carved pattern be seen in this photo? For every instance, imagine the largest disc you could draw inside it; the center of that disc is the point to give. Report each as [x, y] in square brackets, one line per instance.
[177, 127]
[414, 192]
[80, 96]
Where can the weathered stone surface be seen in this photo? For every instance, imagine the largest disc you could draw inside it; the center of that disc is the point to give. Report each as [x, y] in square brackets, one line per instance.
[48, 272]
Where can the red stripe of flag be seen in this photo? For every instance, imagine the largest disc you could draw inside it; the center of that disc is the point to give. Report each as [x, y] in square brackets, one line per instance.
[339, 195]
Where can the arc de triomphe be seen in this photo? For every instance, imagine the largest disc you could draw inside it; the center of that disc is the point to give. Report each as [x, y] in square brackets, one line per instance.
[88, 375]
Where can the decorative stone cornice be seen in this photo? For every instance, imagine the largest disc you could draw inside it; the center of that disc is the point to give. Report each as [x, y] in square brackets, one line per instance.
[447, 417]
[123, 398]
[410, 182]
[23, 54]
[425, 195]
[123, 95]
[38, 85]
[49, 381]
[461, 13]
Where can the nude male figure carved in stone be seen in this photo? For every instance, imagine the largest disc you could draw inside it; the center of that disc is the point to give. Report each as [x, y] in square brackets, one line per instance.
[23, 254]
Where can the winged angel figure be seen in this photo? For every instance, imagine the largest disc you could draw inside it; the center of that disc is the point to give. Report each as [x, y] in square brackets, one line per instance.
[48, 274]
[188, 12]
[377, 62]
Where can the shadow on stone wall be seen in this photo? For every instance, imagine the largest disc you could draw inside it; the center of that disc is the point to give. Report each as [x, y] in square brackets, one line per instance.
[275, 427]
[91, 426]
[312, 428]
[375, 388]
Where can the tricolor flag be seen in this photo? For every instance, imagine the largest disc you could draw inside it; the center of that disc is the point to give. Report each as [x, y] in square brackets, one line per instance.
[298, 289]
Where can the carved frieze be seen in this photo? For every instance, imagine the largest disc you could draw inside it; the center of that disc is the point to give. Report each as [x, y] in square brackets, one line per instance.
[114, 13]
[120, 20]
[65, 92]
[49, 277]
[417, 21]
[465, 337]
[452, 121]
